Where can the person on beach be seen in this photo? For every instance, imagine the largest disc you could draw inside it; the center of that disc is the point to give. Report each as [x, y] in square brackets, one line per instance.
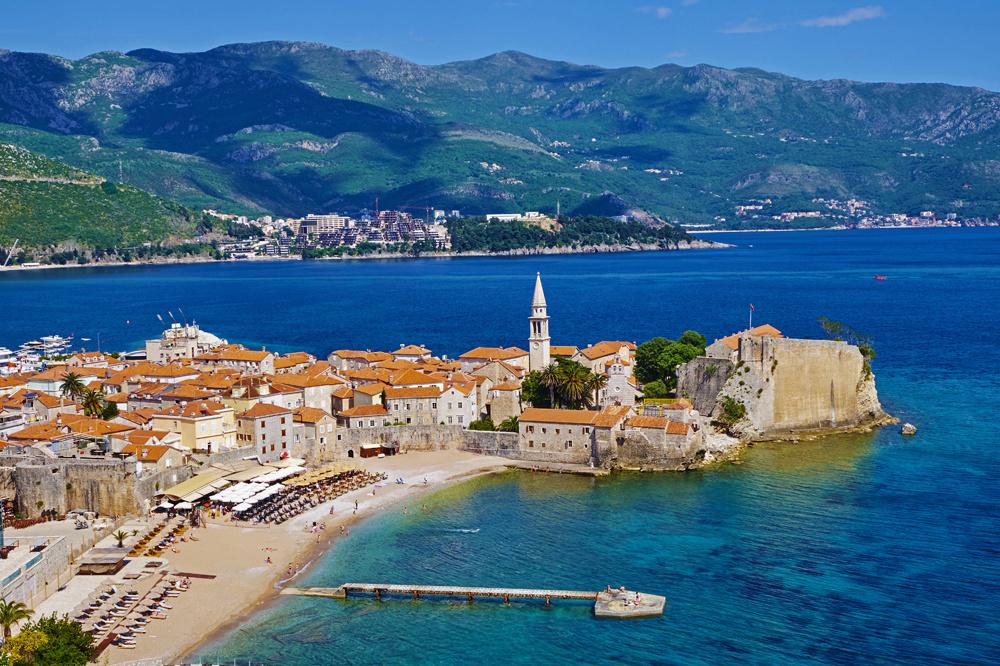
[267, 560]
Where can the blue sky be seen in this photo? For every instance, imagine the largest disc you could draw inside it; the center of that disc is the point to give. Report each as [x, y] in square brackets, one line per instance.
[887, 40]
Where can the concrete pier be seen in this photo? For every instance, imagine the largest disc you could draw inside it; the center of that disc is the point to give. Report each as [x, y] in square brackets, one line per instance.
[615, 604]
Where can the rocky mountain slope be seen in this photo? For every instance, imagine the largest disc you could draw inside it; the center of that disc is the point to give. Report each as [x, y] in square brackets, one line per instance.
[297, 127]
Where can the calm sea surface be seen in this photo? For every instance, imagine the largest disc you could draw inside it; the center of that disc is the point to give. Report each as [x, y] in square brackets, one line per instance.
[860, 549]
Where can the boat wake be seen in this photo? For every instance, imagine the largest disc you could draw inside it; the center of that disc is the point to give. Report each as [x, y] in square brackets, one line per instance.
[463, 530]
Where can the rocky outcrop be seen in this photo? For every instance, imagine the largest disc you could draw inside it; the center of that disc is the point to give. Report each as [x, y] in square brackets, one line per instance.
[782, 386]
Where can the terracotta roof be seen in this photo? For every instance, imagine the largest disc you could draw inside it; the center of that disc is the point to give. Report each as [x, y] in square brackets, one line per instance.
[168, 371]
[236, 355]
[494, 353]
[611, 415]
[410, 350]
[262, 409]
[146, 452]
[606, 348]
[302, 380]
[96, 427]
[507, 386]
[647, 422]
[138, 416]
[186, 392]
[365, 410]
[394, 392]
[318, 368]
[678, 428]
[38, 432]
[567, 416]
[195, 409]
[371, 389]
[411, 377]
[308, 415]
[368, 375]
[465, 388]
[563, 350]
[291, 360]
[733, 341]
[397, 364]
[143, 436]
[342, 392]
[118, 398]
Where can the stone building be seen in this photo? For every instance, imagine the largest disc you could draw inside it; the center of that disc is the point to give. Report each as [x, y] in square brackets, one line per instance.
[204, 425]
[268, 429]
[313, 435]
[578, 436]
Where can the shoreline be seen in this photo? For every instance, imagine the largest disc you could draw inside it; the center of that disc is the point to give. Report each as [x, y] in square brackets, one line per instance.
[297, 546]
[695, 244]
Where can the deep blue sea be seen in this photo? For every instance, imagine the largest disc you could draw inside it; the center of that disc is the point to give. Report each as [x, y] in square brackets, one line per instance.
[855, 549]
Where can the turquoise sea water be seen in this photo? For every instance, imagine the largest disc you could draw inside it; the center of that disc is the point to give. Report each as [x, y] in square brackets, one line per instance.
[860, 549]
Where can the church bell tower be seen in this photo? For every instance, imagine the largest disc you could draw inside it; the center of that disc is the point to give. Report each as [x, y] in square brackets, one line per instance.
[539, 355]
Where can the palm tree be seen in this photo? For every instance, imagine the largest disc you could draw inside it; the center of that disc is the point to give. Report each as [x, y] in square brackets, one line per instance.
[12, 612]
[574, 386]
[594, 385]
[120, 537]
[550, 378]
[93, 402]
[72, 386]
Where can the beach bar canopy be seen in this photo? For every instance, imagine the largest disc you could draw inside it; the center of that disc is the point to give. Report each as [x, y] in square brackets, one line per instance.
[198, 486]
[279, 474]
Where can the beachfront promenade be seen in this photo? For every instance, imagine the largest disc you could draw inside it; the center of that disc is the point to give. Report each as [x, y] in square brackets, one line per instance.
[607, 603]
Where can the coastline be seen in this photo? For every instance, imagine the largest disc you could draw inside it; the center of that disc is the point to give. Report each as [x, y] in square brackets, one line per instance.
[245, 587]
[696, 244]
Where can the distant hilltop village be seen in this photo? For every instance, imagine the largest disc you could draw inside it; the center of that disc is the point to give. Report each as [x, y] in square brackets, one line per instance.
[113, 433]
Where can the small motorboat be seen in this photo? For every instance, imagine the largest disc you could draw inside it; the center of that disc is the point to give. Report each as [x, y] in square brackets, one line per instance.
[881, 278]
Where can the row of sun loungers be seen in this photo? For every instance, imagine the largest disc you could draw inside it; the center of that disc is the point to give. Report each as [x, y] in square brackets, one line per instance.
[296, 500]
[125, 613]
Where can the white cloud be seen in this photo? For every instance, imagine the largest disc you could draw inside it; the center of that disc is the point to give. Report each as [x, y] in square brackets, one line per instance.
[851, 16]
[672, 55]
[748, 26]
[658, 11]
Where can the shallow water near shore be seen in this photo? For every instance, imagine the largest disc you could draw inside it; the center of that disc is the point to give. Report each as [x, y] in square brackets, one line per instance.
[863, 548]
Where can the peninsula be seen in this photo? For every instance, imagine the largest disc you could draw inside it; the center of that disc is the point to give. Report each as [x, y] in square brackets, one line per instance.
[193, 447]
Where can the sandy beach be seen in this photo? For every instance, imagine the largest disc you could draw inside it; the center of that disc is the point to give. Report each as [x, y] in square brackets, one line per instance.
[237, 555]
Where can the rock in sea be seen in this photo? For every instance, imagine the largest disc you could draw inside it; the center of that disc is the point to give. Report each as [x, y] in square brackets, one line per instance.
[908, 429]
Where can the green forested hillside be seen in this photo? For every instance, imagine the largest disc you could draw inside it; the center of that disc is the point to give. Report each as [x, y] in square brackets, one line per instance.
[45, 203]
[290, 128]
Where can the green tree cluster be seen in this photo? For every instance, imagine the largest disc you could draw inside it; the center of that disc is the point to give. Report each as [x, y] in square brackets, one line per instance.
[656, 361]
[51, 641]
[564, 383]
[478, 234]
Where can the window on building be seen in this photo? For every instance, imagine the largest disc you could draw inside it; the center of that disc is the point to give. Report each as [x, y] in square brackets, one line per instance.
[543, 431]
[263, 449]
[408, 419]
[586, 431]
[557, 431]
[272, 447]
[434, 405]
[449, 420]
[459, 419]
[372, 423]
[282, 433]
[460, 405]
[531, 443]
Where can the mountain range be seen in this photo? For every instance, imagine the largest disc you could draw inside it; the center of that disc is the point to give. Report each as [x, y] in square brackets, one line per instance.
[288, 128]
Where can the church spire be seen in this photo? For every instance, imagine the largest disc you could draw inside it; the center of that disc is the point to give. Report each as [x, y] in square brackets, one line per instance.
[538, 300]
[539, 343]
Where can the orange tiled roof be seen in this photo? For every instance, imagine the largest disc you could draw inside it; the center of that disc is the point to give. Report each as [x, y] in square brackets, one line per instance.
[373, 388]
[567, 416]
[143, 436]
[262, 409]
[195, 409]
[291, 360]
[146, 452]
[365, 410]
[494, 353]
[733, 341]
[507, 386]
[678, 428]
[606, 348]
[647, 422]
[308, 415]
[342, 392]
[563, 350]
[394, 392]
[410, 350]
[611, 415]
[411, 377]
